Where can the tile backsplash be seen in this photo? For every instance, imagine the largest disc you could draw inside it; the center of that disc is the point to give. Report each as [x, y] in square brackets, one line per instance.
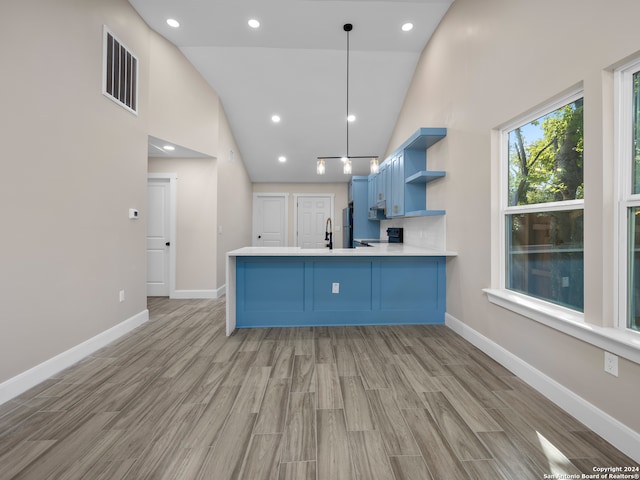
[426, 232]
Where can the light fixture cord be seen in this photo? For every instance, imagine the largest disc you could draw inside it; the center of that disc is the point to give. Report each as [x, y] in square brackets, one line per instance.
[347, 119]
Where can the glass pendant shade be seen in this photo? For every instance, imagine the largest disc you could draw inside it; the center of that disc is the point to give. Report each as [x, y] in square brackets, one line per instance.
[347, 167]
[320, 167]
[373, 165]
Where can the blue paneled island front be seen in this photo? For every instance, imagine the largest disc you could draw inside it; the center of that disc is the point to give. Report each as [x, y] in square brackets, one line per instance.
[293, 287]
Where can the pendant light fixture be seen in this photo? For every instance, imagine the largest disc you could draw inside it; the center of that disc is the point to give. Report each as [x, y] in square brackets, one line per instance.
[346, 159]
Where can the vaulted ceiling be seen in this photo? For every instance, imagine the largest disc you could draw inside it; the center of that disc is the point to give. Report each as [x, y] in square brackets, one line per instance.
[294, 66]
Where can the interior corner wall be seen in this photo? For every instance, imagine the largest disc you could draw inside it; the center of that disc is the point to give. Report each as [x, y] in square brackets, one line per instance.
[73, 163]
[212, 194]
[488, 62]
[234, 198]
[183, 108]
[213, 210]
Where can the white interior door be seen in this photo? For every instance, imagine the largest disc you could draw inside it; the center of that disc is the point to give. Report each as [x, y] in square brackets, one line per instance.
[312, 215]
[270, 220]
[158, 237]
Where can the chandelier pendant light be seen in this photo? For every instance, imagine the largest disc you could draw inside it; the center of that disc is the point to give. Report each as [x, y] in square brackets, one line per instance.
[346, 159]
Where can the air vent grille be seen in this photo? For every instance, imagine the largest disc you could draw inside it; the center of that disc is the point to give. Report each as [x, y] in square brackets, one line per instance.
[120, 77]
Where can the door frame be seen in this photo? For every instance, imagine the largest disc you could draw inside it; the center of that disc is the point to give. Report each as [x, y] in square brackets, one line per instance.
[297, 196]
[172, 179]
[285, 213]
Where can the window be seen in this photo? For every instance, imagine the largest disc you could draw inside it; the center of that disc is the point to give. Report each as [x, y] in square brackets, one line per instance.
[543, 204]
[628, 126]
[120, 74]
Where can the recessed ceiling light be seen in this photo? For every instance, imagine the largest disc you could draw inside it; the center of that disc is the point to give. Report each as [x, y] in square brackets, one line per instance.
[351, 118]
[275, 118]
[253, 23]
[172, 22]
[169, 148]
[282, 159]
[407, 27]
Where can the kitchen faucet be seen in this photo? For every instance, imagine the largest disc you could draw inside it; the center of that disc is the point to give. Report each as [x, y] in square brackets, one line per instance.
[328, 233]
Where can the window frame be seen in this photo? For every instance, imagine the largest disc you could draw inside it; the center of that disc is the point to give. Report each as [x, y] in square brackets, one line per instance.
[624, 342]
[626, 199]
[506, 209]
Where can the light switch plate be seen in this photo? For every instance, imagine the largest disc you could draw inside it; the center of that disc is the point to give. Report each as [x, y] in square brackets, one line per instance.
[335, 287]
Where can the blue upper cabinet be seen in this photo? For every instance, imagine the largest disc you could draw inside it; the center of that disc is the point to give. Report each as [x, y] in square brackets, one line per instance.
[396, 207]
[372, 196]
[377, 190]
[406, 176]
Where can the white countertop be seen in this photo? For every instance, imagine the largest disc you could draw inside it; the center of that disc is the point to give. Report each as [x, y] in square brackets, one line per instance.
[375, 250]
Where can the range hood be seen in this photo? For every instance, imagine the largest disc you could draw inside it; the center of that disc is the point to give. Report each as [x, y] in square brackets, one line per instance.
[382, 205]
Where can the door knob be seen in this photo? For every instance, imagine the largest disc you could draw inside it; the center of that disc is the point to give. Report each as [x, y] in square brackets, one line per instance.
[168, 244]
[259, 236]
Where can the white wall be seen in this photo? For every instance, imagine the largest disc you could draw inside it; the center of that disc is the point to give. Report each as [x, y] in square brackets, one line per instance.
[183, 108]
[196, 219]
[489, 62]
[211, 193]
[74, 162]
[339, 190]
[234, 199]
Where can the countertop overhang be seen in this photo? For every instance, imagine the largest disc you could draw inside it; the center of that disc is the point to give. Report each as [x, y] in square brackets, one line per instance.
[375, 250]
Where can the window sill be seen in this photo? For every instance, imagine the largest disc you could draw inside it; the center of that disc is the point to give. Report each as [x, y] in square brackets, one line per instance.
[624, 343]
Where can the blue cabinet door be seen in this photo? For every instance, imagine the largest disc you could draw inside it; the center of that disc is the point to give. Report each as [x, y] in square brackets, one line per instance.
[379, 186]
[397, 185]
[363, 225]
[372, 181]
[385, 188]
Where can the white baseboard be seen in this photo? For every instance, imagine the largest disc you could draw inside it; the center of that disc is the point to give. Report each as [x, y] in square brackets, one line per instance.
[193, 294]
[32, 377]
[615, 432]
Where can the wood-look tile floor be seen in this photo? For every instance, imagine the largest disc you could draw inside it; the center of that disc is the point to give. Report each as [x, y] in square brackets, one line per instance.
[176, 399]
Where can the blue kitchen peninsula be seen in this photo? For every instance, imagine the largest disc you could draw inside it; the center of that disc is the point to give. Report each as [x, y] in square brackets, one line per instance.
[384, 284]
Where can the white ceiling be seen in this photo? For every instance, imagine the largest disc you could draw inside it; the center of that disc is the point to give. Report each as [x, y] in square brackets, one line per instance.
[294, 65]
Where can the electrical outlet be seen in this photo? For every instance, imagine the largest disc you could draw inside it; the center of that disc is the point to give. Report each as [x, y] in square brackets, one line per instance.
[335, 287]
[611, 363]
[565, 282]
[122, 295]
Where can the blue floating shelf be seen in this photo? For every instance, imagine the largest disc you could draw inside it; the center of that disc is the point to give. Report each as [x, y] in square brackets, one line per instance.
[424, 177]
[425, 138]
[424, 213]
